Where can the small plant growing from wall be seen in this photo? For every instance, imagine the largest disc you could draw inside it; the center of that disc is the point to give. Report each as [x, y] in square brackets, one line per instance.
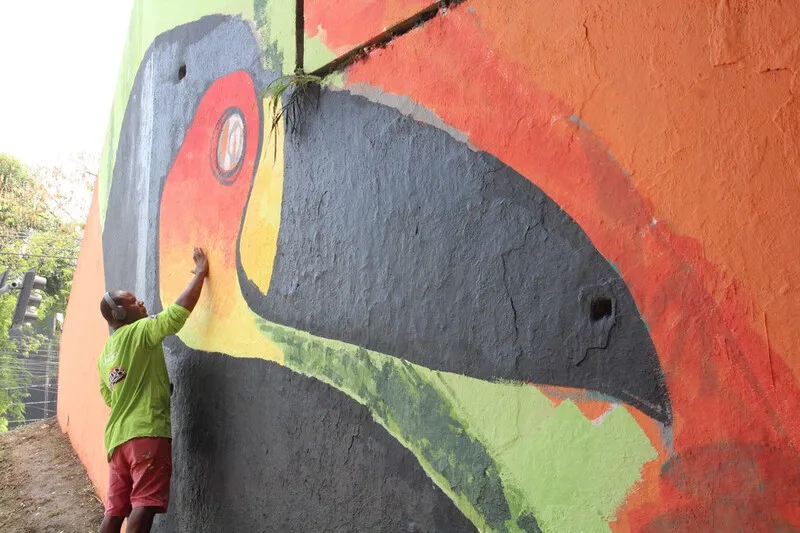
[300, 88]
[301, 85]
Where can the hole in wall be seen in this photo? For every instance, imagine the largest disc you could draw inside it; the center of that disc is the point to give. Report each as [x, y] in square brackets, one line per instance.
[182, 71]
[600, 308]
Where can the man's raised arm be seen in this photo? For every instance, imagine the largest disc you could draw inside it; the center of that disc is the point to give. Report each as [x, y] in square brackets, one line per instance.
[188, 299]
[171, 320]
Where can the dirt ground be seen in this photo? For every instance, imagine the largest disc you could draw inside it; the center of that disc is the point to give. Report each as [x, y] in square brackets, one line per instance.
[43, 486]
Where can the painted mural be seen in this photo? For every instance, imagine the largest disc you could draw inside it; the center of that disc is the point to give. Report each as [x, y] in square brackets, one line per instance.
[438, 301]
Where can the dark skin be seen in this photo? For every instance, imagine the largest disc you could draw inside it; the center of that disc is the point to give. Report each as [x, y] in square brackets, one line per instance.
[135, 309]
[141, 518]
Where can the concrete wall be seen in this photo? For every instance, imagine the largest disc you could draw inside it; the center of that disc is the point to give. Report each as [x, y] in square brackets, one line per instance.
[527, 268]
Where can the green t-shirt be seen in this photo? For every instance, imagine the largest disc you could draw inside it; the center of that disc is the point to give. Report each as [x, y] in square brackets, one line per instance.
[133, 378]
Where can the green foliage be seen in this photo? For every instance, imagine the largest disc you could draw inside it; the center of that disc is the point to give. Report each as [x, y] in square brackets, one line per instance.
[21, 205]
[12, 382]
[12, 172]
[32, 237]
[298, 86]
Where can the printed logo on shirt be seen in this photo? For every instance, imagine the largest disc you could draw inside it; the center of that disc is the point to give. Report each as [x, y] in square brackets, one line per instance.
[109, 358]
[116, 375]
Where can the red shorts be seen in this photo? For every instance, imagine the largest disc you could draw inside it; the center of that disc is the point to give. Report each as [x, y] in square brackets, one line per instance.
[138, 476]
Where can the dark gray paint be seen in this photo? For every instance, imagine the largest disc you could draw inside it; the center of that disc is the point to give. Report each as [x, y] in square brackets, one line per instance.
[210, 48]
[257, 448]
[396, 237]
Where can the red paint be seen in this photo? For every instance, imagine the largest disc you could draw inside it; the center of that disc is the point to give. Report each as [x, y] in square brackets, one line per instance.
[729, 392]
[348, 23]
[193, 189]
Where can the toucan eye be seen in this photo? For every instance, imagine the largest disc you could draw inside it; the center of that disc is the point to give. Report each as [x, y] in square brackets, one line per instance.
[227, 146]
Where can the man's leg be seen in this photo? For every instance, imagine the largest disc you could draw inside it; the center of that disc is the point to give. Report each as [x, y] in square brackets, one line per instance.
[120, 484]
[141, 520]
[111, 524]
[151, 470]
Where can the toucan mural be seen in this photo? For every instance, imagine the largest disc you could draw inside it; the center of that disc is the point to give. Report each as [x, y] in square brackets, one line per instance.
[425, 314]
[384, 258]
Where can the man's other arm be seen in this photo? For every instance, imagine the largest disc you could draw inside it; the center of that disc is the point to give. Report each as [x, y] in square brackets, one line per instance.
[104, 390]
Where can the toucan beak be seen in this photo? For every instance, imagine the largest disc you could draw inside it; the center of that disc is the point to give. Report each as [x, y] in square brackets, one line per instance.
[257, 245]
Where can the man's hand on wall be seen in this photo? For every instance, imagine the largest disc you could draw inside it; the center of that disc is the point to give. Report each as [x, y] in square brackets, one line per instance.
[200, 262]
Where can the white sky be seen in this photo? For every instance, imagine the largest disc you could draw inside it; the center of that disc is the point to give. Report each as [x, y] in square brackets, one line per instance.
[58, 68]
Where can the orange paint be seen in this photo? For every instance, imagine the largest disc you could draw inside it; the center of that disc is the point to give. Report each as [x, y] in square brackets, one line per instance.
[702, 138]
[196, 184]
[81, 411]
[728, 388]
[695, 99]
[199, 188]
[345, 24]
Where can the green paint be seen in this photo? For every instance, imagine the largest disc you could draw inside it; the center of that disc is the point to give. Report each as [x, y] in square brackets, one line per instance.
[275, 23]
[568, 473]
[508, 458]
[402, 399]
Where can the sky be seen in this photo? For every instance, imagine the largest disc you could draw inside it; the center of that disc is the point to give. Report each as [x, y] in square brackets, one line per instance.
[58, 68]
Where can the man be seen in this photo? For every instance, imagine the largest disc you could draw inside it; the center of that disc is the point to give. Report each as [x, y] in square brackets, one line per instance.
[134, 383]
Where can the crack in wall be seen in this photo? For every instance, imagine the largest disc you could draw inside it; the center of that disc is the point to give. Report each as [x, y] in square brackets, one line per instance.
[503, 257]
[353, 438]
[593, 58]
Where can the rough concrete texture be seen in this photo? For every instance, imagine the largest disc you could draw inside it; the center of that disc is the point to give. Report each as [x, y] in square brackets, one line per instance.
[385, 243]
[260, 448]
[499, 277]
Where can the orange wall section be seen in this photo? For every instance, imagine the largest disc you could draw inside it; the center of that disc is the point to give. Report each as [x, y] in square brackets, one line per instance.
[349, 23]
[697, 100]
[81, 411]
[678, 243]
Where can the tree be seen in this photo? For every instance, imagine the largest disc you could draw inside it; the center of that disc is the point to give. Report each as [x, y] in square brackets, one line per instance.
[37, 233]
[21, 205]
[12, 381]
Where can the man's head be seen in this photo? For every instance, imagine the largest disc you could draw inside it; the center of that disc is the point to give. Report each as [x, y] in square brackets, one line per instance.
[134, 309]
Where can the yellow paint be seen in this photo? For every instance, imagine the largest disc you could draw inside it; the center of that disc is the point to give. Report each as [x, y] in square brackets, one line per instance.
[222, 321]
[258, 241]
